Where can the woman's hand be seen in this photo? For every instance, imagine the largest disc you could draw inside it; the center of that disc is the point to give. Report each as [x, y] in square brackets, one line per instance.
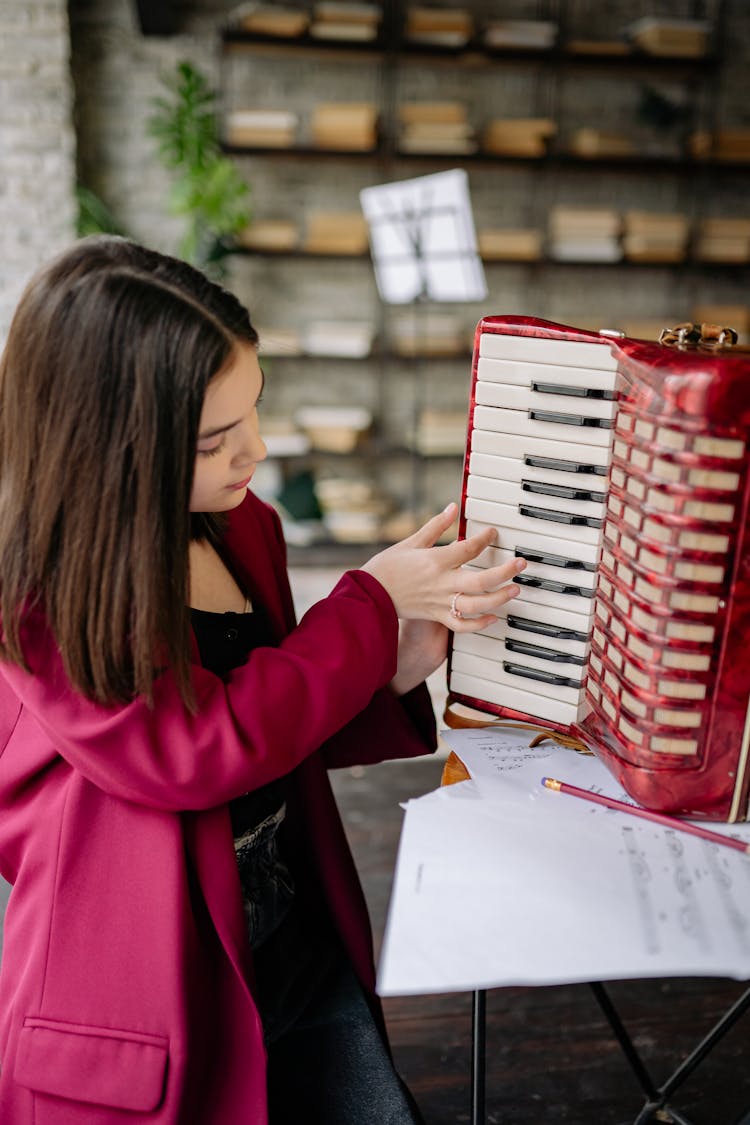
[422, 648]
[429, 583]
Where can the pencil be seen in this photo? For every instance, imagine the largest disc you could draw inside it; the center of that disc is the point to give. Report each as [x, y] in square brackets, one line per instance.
[657, 818]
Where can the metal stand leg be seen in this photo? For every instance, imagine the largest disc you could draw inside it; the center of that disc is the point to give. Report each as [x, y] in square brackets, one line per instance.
[478, 1042]
[656, 1108]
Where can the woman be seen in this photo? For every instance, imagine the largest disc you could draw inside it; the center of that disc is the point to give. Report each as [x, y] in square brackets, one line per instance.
[186, 938]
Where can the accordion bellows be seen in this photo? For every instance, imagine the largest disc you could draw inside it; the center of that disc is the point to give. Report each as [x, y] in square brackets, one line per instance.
[618, 469]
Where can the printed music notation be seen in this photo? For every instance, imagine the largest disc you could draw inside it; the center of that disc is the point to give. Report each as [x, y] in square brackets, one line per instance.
[502, 882]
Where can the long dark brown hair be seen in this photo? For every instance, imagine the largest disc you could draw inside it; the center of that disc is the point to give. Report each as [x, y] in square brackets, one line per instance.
[102, 382]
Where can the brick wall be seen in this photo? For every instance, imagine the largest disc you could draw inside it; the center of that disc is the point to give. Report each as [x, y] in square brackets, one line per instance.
[37, 142]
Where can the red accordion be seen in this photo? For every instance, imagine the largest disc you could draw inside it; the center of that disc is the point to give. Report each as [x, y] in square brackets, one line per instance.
[618, 469]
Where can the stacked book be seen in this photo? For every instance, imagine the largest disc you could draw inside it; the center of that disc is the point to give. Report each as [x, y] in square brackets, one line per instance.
[334, 429]
[348, 126]
[283, 438]
[722, 240]
[279, 341]
[427, 334]
[512, 244]
[440, 432]
[336, 232]
[597, 144]
[584, 234]
[440, 127]
[347, 339]
[349, 22]
[279, 20]
[439, 27]
[274, 235]
[353, 510]
[724, 144]
[518, 136]
[520, 35]
[654, 237]
[261, 128]
[674, 38]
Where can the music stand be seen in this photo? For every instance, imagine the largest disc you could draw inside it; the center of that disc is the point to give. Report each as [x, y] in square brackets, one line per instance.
[424, 248]
[422, 239]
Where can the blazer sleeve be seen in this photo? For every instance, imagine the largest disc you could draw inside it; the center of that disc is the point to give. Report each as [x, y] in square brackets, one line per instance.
[272, 713]
[389, 727]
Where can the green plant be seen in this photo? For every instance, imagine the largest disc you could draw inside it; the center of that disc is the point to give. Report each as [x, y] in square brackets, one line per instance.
[94, 217]
[208, 190]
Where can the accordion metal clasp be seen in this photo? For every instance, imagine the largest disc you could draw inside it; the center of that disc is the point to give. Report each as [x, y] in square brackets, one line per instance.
[689, 335]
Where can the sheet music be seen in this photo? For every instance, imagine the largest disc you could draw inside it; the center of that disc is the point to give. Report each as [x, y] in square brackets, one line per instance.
[502, 882]
[423, 240]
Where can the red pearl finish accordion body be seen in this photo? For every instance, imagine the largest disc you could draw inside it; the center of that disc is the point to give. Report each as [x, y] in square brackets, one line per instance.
[618, 469]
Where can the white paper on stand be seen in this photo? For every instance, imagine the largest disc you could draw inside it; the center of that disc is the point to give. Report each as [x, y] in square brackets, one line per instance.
[502, 882]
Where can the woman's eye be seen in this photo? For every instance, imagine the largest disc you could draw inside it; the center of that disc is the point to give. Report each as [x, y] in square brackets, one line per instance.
[213, 449]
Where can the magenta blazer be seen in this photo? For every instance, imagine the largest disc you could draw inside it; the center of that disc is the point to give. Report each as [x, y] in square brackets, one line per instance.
[114, 999]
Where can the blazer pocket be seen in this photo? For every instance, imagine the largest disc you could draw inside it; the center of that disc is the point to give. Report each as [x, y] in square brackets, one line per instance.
[102, 1065]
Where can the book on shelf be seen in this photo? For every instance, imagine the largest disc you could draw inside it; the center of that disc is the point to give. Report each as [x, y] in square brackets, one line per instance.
[283, 438]
[353, 508]
[346, 21]
[334, 429]
[272, 128]
[440, 127]
[279, 341]
[600, 143]
[670, 37]
[536, 35]
[344, 339]
[518, 136]
[427, 335]
[578, 234]
[722, 240]
[336, 232]
[722, 144]
[440, 432]
[269, 234]
[652, 236]
[279, 20]
[510, 244]
[349, 126]
[439, 27]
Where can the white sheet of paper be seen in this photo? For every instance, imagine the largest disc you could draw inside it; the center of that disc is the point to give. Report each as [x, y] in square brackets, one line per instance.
[502, 882]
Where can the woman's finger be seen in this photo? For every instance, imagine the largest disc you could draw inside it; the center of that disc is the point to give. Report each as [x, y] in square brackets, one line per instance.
[484, 581]
[429, 533]
[471, 607]
[466, 550]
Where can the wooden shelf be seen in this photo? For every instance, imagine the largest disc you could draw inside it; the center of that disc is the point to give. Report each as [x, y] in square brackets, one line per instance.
[472, 55]
[568, 160]
[545, 262]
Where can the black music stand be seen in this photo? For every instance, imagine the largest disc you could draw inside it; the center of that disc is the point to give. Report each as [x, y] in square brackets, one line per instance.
[657, 1107]
[423, 241]
[424, 249]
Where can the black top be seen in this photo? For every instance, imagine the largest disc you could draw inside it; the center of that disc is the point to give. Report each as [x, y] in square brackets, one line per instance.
[294, 943]
[225, 640]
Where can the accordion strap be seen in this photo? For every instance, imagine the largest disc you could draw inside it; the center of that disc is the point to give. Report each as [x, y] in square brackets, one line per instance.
[689, 335]
[539, 734]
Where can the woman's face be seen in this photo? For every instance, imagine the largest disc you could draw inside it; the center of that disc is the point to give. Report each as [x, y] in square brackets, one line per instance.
[229, 442]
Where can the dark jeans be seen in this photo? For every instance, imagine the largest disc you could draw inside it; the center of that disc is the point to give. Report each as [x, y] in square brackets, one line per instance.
[332, 1067]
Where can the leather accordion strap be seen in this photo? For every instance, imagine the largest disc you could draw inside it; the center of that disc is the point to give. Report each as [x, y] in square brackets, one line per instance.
[698, 335]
